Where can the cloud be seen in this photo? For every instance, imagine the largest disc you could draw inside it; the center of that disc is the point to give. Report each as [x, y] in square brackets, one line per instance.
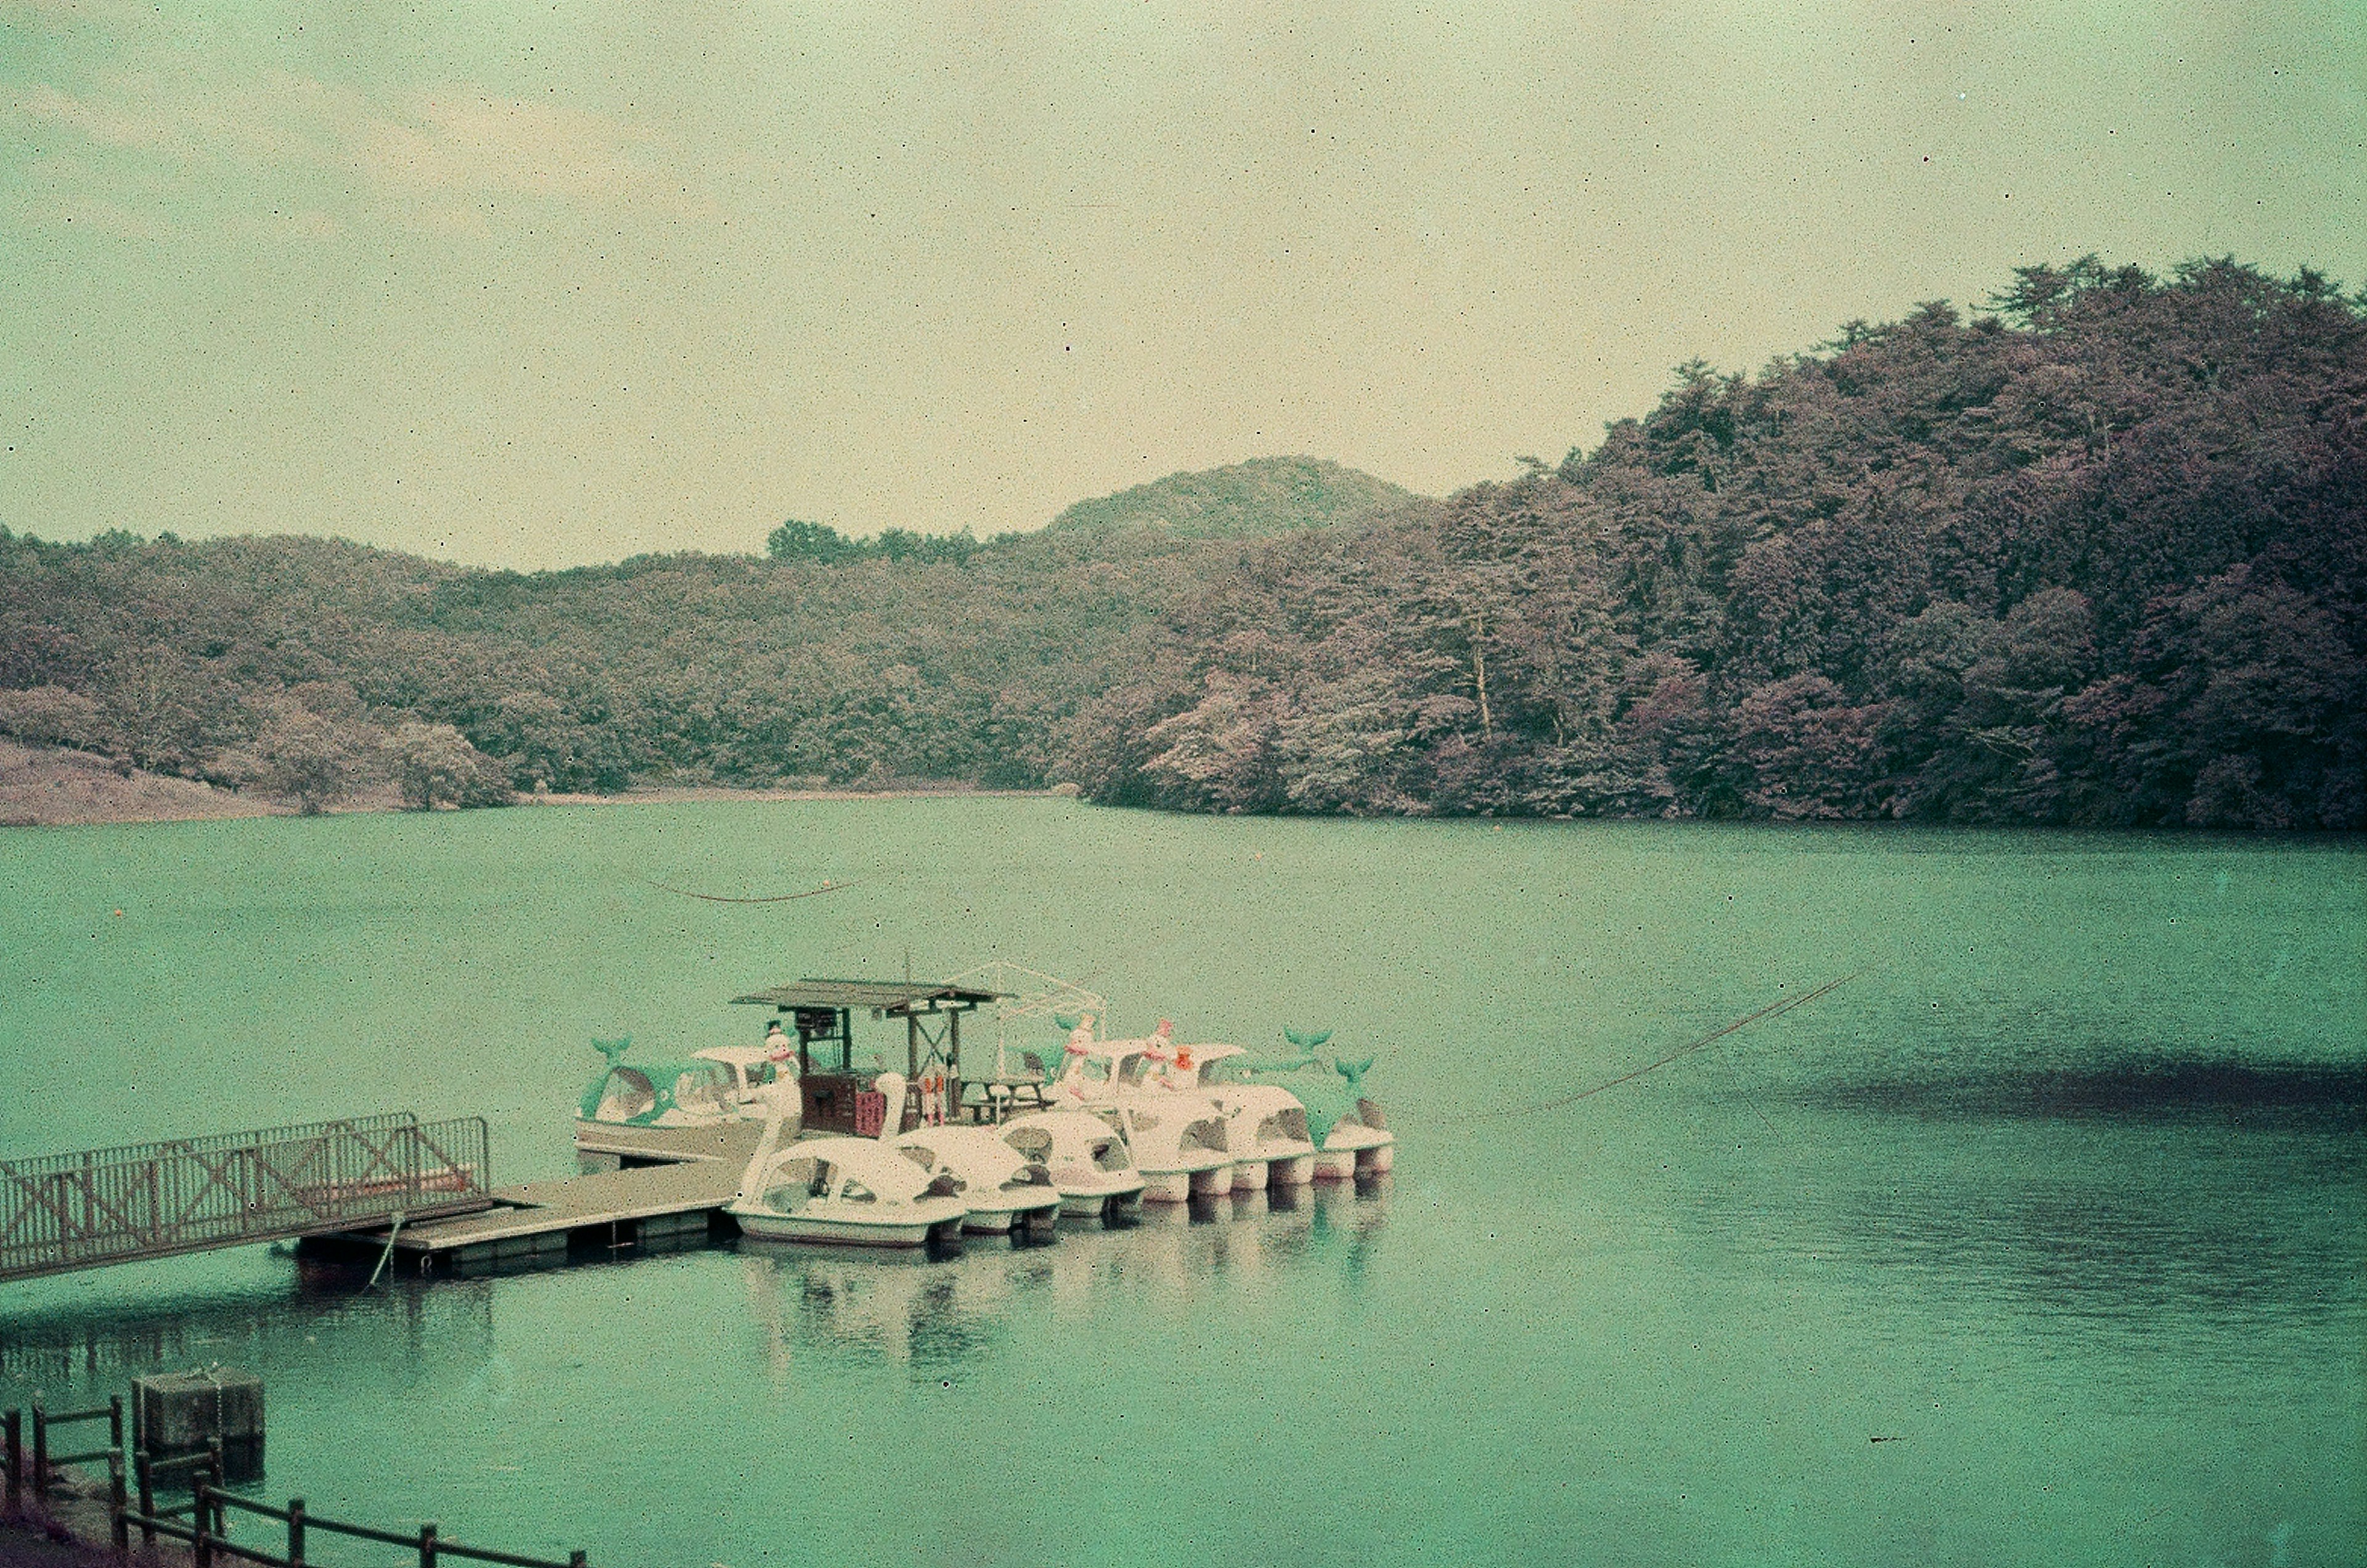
[422, 156]
[483, 146]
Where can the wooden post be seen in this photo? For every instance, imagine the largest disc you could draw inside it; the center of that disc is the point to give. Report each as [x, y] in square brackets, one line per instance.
[118, 1525]
[577, 1560]
[40, 1448]
[115, 1422]
[143, 1472]
[13, 1426]
[295, 1532]
[427, 1546]
[214, 1478]
[200, 1523]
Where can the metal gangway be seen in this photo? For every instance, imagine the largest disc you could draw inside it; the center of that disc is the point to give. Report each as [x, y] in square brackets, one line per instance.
[80, 1211]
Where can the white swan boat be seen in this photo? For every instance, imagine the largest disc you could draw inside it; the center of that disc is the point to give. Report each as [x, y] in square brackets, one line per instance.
[849, 1190]
[1088, 1159]
[1003, 1186]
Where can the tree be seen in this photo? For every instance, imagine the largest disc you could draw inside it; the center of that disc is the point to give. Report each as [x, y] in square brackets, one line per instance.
[794, 540]
[435, 764]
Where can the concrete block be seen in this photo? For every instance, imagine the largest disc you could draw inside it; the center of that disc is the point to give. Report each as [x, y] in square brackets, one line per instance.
[176, 1412]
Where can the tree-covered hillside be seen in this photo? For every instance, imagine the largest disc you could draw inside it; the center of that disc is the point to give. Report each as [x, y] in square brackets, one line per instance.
[2097, 558]
[1247, 500]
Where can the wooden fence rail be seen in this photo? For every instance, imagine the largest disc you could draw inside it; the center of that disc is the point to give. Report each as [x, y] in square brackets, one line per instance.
[203, 1521]
[206, 1533]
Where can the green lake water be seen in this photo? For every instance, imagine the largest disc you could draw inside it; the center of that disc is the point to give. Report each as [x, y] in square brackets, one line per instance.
[2040, 1240]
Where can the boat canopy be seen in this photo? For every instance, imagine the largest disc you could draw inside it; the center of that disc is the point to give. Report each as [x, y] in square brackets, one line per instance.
[884, 999]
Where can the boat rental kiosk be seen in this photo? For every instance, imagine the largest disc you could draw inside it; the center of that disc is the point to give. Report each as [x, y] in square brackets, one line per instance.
[836, 1095]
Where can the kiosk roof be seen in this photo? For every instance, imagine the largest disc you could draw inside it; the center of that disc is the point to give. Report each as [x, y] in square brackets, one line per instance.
[894, 996]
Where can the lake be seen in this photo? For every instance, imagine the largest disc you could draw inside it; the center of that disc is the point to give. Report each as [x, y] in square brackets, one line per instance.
[2038, 1239]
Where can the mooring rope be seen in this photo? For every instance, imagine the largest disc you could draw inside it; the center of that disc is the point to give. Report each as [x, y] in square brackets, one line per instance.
[1771, 1009]
[775, 899]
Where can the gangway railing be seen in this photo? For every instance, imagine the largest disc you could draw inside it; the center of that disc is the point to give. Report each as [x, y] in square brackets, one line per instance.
[80, 1211]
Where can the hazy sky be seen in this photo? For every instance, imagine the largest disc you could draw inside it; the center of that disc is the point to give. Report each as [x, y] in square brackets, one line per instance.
[547, 284]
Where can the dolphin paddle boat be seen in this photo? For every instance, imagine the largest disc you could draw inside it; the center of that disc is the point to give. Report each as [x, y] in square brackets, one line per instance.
[1351, 1135]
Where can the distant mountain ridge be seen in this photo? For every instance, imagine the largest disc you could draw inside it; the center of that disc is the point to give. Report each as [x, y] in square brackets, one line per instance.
[1263, 498]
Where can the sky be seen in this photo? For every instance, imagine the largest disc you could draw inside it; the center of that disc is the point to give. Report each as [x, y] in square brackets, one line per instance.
[541, 286]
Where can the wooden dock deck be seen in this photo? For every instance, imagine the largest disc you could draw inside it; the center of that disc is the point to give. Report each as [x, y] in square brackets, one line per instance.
[669, 1198]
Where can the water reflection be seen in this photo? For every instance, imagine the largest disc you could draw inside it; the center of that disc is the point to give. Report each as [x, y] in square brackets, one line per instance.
[312, 1323]
[2259, 1093]
[2216, 1230]
[940, 1315]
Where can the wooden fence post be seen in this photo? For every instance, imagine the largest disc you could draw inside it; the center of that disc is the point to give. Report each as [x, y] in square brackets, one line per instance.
[214, 1476]
[295, 1532]
[115, 1421]
[201, 1521]
[143, 1473]
[427, 1546]
[40, 1448]
[118, 1528]
[12, 1426]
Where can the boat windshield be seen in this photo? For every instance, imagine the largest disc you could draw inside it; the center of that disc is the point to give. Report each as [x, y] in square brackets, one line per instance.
[1110, 1154]
[704, 1087]
[1207, 1134]
[1286, 1125]
[1030, 1142]
[796, 1183]
[628, 1094]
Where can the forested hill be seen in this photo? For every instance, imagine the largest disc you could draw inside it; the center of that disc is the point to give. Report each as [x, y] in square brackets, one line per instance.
[2096, 558]
[1253, 499]
[305, 666]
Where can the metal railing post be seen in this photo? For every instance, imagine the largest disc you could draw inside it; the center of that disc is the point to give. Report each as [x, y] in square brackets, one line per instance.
[427, 1546]
[295, 1532]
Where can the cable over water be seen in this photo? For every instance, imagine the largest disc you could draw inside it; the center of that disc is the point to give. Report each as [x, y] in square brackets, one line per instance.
[1771, 1009]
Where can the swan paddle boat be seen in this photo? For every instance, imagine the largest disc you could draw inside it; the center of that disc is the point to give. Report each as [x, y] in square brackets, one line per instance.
[1269, 1134]
[1003, 1186]
[1088, 1159]
[857, 1191]
[1267, 1131]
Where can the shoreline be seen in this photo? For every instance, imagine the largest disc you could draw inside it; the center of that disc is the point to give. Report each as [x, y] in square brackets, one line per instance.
[44, 786]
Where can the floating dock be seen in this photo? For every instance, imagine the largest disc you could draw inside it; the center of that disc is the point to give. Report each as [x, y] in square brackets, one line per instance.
[668, 1195]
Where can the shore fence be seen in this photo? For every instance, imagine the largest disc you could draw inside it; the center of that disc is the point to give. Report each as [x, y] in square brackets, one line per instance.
[203, 1522]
